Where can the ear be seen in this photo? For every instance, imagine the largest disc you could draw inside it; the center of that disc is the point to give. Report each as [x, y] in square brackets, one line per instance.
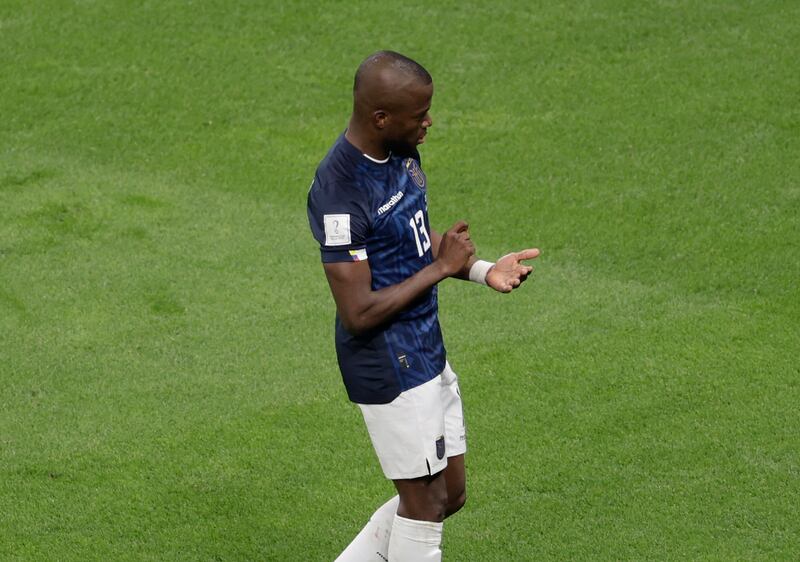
[380, 118]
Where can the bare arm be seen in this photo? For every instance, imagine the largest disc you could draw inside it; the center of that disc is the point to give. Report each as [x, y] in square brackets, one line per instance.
[361, 309]
[506, 275]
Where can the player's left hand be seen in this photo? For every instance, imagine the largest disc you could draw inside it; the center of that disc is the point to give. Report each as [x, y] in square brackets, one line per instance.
[508, 272]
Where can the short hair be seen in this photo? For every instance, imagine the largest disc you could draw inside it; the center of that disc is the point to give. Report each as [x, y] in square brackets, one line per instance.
[395, 60]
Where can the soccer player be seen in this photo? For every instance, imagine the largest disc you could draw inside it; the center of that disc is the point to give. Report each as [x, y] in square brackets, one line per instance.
[368, 209]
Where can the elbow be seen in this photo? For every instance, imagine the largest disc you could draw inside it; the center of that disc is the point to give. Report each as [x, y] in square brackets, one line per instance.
[356, 324]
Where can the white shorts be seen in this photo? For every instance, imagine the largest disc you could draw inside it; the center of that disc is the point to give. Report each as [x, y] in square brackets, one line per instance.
[415, 433]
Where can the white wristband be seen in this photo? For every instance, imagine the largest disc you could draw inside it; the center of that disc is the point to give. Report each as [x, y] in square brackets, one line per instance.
[479, 270]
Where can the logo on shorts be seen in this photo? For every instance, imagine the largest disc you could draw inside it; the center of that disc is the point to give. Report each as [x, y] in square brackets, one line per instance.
[403, 361]
[440, 448]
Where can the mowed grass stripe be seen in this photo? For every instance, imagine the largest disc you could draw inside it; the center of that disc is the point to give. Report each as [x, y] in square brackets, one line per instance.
[647, 421]
[151, 360]
[169, 384]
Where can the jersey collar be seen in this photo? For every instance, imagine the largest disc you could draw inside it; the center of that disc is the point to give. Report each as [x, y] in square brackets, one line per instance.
[355, 152]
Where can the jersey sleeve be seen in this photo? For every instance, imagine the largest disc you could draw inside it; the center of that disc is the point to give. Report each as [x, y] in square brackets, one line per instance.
[339, 218]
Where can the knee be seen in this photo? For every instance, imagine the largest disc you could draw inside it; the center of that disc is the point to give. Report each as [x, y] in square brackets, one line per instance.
[432, 506]
[439, 507]
[456, 502]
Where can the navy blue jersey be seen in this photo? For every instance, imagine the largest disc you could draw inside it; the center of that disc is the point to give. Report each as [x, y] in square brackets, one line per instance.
[360, 209]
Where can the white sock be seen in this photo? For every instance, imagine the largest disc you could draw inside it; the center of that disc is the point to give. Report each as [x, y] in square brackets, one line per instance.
[372, 543]
[415, 541]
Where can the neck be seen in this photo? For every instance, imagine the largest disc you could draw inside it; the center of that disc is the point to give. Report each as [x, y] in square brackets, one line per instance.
[359, 137]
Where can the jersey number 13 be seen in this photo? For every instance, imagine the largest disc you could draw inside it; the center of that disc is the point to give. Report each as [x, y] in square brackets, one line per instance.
[417, 224]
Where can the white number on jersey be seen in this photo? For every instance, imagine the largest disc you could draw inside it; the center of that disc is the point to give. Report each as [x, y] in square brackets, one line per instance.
[417, 224]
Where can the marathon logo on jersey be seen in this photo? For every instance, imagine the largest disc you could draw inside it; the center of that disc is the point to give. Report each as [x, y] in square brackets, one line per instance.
[415, 172]
[337, 230]
[440, 448]
[394, 200]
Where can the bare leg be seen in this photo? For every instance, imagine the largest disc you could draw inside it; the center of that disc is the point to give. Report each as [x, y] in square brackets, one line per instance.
[455, 477]
[432, 498]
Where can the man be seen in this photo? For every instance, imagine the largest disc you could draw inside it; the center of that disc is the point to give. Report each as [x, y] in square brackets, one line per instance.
[367, 208]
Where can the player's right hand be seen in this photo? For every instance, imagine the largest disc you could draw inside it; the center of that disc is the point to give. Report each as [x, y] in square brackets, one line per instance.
[455, 249]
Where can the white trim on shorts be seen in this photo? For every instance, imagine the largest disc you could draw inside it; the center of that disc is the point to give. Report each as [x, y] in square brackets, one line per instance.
[405, 431]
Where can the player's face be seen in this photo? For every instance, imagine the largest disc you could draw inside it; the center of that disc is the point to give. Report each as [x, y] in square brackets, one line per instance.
[410, 122]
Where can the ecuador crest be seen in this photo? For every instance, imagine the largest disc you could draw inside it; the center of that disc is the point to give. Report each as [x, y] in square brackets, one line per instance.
[415, 172]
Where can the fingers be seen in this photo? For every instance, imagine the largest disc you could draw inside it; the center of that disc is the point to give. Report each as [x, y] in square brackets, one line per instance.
[514, 277]
[470, 247]
[461, 229]
[460, 226]
[455, 248]
[528, 254]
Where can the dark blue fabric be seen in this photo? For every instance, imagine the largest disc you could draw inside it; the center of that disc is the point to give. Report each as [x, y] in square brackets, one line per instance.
[387, 209]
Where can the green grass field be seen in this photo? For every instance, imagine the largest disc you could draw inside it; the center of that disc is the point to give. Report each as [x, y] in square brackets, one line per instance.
[168, 384]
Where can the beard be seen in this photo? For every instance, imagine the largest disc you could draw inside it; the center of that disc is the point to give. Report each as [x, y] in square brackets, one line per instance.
[403, 149]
